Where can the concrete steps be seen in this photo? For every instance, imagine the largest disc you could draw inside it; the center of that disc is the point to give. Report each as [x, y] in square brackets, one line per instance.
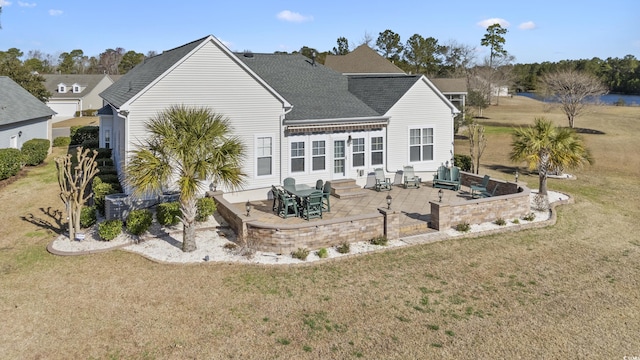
[346, 189]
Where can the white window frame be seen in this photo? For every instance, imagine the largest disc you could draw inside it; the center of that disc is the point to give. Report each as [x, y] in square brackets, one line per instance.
[362, 152]
[259, 154]
[107, 138]
[76, 89]
[62, 88]
[372, 150]
[422, 143]
[313, 154]
[304, 142]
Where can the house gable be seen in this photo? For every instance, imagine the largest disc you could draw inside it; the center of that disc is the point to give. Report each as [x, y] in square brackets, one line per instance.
[362, 60]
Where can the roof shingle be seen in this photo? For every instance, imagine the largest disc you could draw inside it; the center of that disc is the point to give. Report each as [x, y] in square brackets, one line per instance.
[17, 104]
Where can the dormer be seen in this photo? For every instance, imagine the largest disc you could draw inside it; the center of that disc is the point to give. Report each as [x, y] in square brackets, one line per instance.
[62, 88]
[76, 88]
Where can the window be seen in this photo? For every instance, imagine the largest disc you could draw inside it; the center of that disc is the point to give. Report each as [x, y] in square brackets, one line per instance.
[76, 88]
[358, 152]
[377, 150]
[62, 88]
[107, 139]
[318, 149]
[297, 156]
[264, 154]
[420, 144]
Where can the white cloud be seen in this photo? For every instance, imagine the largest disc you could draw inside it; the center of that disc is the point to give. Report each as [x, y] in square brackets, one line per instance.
[488, 22]
[528, 25]
[291, 16]
[53, 12]
[26, 4]
[4, 3]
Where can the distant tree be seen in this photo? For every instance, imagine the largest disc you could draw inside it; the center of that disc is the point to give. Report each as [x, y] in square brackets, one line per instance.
[458, 59]
[546, 148]
[151, 53]
[477, 144]
[572, 89]
[367, 39]
[389, 45]
[495, 40]
[342, 48]
[186, 146]
[129, 60]
[110, 59]
[11, 66]
[478, 100]
[65, 63]
[424, 55]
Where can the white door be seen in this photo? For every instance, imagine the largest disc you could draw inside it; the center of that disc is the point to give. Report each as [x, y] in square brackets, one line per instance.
[13, 142]
[340, 159]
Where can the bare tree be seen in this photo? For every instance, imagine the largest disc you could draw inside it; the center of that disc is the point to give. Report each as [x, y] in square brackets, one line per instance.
[572, 89]
[73, 181]
[477, 144]
[367, 39]
[458, 58]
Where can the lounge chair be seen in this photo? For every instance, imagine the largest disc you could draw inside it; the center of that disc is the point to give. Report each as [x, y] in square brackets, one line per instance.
[382, 182]
[478, 188]
[447, 178]
[486, 194]
[312, 206]
[410, 178]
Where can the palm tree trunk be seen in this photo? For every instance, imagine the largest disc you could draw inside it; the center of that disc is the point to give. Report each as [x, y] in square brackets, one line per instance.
[543, 170]
[188, 224]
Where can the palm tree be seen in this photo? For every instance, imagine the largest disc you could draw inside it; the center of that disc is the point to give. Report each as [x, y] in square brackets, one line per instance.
[546, 147]
[188, 146]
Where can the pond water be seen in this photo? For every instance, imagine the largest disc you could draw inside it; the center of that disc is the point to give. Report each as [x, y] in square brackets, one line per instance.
[608, 99]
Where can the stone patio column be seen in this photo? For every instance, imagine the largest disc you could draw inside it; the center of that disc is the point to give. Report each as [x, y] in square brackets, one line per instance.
[391, 223]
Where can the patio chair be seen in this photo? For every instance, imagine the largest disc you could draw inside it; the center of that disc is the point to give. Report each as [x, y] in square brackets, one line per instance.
[289, 181]
[319, 184]
[486, 194]
[276, 199]
[312, 206]
[382, 182]
[326, 194]
[287, 203]
[410, 178]
[478, 188]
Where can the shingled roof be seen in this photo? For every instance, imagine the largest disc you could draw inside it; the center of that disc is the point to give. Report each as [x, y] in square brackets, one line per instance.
[88, 81]
[381, 92]
[136, 79]
[315, 91]
[450, 85]
[17, 104]
[362, 60]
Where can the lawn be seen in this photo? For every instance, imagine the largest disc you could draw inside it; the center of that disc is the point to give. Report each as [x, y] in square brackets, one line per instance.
[566, 291]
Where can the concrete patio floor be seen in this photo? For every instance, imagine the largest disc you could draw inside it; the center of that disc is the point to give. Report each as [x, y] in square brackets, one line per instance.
[412, 203]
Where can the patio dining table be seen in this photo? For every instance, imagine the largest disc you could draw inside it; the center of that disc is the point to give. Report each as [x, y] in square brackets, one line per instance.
[300, 190]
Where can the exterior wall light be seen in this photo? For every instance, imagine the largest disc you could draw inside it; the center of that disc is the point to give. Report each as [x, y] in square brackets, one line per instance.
[389, 198]
[247, 207]
[440, 194]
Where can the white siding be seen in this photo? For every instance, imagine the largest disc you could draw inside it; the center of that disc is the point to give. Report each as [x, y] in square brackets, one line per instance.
[31, 129]
[420, 106]
[92, 100]
[211, 78]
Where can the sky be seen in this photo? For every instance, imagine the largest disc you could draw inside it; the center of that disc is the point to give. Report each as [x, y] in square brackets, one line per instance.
[537, 31]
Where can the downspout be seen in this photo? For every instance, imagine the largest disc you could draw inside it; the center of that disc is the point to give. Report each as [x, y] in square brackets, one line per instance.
[281, 138]
[124, 115]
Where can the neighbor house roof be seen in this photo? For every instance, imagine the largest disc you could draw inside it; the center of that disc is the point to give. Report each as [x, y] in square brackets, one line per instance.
[362, 60]
[17, 104]
[143, 74]
[450, 85]
[315, 91]
[381, 92]
[87, 81]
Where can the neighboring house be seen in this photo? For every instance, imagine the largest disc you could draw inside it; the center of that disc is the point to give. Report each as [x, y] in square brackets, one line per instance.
[362, 60]
[296, 118]
[71, 94]
[22, 116]
[454, 89]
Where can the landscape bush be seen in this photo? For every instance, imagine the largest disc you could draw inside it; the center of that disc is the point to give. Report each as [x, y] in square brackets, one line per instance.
[80, 134]
[108, 170]
[323, 253]
[109, 229]
[463, 227]
[500, 222]
[103, 153]
[343, 248]
[379, 240]
[107, 178]
[90, 144]
[168, 213]
[300, 254]
[104, 161]
[62, 141]
[10, 163]
[88, 216]
[139, 221]
[205, 207]
[34, 151]
[462, 161]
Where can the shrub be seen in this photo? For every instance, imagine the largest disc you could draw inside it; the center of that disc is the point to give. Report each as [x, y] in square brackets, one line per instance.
[90, 144]
[206, 207]
[300, 254]
[10, 162]
[379, 240]
[84, 133]
[103, 153]
[110, 229]
[168, 213]
[87, 216]
[529, 217]
[104, 161]
[463, 227]
[108, 178]
[62, 141]
[108, 170]
[139, 221]
[34, 151]
[516, 221]
[462, 161]
[500, 222]
[322, 253]
[100, 190]
[343, 248]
